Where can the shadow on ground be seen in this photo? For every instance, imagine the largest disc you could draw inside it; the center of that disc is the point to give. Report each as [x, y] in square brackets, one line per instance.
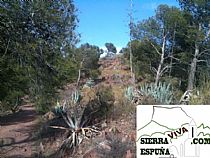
[23, 116]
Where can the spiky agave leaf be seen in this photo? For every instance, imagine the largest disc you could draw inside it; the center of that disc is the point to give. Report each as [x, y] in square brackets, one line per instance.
[129, 93]
[161, 92]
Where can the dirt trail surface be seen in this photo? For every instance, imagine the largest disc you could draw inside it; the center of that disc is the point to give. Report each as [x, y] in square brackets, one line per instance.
[16, 133]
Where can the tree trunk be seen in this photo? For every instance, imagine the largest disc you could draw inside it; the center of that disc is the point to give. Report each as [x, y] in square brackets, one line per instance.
[172, 51]
[193, 65]
[131, 54]
[131, 65]
[79, 72]
[158, 74]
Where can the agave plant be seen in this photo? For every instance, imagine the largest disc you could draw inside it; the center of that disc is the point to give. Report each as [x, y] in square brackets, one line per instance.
[75, 98]
[129, 93]
[76, 129]
[89, 83]
[77, 126]
[59, 109]
[161, 92]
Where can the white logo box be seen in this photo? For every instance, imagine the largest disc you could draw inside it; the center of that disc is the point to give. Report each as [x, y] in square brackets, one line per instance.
[181, 131]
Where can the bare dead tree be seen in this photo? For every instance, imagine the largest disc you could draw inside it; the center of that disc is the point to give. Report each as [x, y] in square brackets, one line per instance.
[160, 70]
[130, 45]
[196, 56]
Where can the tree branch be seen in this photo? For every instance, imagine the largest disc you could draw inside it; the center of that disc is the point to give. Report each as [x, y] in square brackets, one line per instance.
[155, 48]
[201, 61]
[164, 70]
[208, 32]
[172, 57]
[154, 70]
[157, 51]
[6, 49]
[203, 52]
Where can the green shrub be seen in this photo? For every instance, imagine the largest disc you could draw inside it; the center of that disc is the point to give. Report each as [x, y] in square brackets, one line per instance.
[149, 100]
[105, 94]
[94, 73]
[122, 107]
[103, 103]
[44, 103]
[118, 148]
[202, 96]
[205, 93]
[13, 101]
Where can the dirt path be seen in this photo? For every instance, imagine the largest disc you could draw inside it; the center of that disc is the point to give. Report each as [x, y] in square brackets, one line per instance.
[16, 133]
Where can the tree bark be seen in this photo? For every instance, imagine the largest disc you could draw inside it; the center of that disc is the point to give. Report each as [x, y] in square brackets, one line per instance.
[193, 65]
[79, 72]
[158, 74]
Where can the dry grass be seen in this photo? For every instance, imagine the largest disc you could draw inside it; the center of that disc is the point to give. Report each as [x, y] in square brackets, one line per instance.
[88, 94]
